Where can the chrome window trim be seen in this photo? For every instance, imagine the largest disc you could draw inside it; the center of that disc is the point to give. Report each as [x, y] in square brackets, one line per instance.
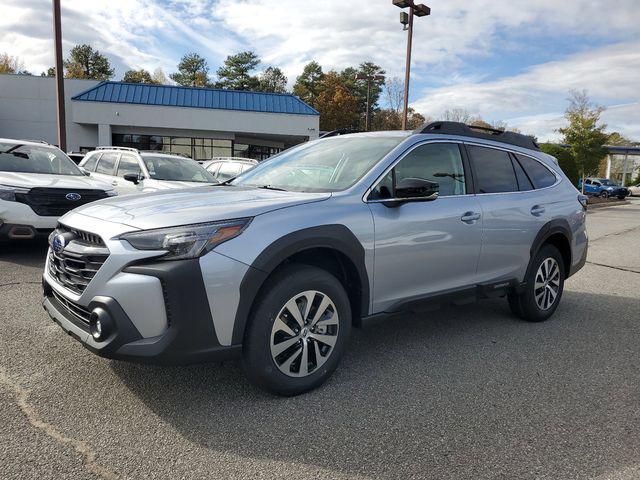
[400, 158]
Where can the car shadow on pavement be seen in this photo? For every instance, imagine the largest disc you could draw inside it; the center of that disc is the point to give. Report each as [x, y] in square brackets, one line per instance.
[29, 253]
[461, 392]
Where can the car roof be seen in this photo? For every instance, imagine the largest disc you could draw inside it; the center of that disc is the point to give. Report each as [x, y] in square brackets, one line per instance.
[35, 143]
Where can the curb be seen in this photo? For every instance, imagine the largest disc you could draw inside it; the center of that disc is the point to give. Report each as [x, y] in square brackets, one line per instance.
[596, 206]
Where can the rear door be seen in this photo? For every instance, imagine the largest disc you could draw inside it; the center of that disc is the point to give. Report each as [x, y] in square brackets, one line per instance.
[425, 247]
[513, 213]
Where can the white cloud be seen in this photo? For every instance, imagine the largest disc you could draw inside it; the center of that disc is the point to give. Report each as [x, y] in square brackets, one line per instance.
[609, 74]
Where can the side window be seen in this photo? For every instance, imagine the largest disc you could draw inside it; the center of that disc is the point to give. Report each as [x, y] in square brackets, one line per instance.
[587, 182]
[493, 170]
[213, 168]
[107, 163]
[538, 173]
[523, 181]
[437, 162]
[128, 164]
[90, 164]
[228, 170]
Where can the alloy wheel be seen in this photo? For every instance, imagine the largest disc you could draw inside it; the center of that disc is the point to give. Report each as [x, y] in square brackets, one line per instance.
[304, 333]
[547, 283]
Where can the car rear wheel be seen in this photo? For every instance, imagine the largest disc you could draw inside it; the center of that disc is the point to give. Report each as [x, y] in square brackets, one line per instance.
[604, 194]
[297, 331]
[543, 287]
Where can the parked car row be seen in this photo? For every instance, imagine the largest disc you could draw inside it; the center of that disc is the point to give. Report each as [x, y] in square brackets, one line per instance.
[39, 183]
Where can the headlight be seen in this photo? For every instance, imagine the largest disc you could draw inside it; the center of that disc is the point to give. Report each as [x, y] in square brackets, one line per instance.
[8, 193]
[186, 241]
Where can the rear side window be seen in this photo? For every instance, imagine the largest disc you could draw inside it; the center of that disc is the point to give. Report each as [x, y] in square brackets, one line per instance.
[523, 181]
[538, 173]
[107, 163]
[128, 164]
[493, 170]
[90, 164]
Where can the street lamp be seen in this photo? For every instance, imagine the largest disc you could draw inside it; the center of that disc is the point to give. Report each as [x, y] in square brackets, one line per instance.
[368, 78]
[419, 10]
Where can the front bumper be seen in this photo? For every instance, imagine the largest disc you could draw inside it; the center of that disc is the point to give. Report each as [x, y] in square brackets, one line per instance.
[12, 231]
[190, 336]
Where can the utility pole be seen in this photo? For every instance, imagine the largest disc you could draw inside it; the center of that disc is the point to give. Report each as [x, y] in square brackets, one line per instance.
[60, 111]
[369, 78]
[407, 20]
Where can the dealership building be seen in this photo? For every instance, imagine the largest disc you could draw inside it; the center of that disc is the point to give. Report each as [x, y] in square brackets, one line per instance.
[198, 122]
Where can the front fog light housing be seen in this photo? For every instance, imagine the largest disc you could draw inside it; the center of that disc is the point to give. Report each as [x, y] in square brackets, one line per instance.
[100, 324]
[186, 241]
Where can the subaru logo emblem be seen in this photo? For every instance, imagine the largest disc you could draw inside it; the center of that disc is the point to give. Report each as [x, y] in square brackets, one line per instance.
[74, 197]
[58, 243]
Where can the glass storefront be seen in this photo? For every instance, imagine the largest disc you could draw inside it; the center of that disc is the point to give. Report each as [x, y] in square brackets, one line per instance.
[196, 148]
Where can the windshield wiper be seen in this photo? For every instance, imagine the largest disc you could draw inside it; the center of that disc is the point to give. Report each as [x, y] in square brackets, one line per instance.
[271, 187]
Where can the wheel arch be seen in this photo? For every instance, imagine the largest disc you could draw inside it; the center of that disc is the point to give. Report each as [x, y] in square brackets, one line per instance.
[331, 247]
[557, 233]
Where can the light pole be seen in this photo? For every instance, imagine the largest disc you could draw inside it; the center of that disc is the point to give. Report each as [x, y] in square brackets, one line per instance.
[60, 112]
[419, 10]
[368, 78]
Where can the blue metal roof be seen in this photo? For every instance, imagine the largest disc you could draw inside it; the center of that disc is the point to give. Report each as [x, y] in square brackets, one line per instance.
[176, 96]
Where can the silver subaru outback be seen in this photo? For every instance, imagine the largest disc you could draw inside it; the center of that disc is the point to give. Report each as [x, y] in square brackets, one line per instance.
[277, 265]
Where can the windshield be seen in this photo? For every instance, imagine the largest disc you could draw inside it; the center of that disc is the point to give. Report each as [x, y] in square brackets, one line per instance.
[17, 157]
[177, 169]
[608, 183]
[326, 165]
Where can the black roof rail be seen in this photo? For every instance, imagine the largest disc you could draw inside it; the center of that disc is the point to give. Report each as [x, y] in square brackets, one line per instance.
[340, 131]
[458, 128]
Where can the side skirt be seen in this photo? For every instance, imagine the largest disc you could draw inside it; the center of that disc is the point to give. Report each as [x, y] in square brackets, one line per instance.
[461, 296]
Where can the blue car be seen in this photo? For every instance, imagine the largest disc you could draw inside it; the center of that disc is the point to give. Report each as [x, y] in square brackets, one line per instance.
[603, 187]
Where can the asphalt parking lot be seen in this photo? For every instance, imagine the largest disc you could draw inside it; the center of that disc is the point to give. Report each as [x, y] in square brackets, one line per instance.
[462, 392]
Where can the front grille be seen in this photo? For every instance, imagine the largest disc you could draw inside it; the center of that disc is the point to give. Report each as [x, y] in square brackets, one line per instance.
[78, 312]
[53, 202]
[78, 262]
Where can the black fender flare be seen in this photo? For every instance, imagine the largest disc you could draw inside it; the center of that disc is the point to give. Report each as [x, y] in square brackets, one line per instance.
[558, 225]
[333, 236]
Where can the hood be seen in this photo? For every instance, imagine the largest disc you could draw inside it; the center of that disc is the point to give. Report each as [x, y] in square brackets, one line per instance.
[170, 184]
[194, 205]
[32, 180]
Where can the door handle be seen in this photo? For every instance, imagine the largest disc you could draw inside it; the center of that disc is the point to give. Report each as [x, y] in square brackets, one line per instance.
[537, 210]
[470, 217]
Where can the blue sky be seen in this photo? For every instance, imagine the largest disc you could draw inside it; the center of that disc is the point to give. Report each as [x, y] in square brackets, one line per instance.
[513, 61]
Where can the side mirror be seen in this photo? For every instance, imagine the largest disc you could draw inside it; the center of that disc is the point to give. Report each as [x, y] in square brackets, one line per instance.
[132, 177]
[417, 189]
[85, 172]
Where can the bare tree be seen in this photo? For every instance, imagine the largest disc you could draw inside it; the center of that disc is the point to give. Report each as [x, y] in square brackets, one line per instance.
[394, 93]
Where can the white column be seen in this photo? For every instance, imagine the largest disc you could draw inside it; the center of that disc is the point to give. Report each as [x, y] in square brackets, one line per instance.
[624, 168]
[104, 135]
[608, 175]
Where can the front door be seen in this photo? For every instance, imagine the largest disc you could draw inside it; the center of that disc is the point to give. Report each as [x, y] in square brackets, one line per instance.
[425, 247]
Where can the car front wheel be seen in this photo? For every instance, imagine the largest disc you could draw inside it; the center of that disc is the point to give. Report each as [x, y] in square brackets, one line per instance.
[543, 287]
[297, 331]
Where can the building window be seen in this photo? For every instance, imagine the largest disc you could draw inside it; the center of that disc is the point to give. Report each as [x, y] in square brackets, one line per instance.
[256, 152]
[196, 148]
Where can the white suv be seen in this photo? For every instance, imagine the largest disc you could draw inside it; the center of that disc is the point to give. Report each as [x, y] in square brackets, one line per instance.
[38, 184]
[132, 171]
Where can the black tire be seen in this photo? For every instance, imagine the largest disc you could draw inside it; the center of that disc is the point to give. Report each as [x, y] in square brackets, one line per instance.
[604, 194]
[524, 304]
[621, 197]
[259, 364]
